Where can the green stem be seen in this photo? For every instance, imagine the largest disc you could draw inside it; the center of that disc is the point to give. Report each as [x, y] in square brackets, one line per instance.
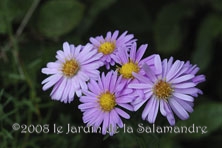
[15, 53]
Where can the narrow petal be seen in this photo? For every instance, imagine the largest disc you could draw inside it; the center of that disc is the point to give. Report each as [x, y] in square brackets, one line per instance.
[158, 64]
[126, 106]
[113, 82]
[183, 97]
[105, 123]
[141, 52]
[66, 92]
[162, 109]
[122, 113]
[58, 93]
[178, 109]
[66, 49]
[138, 105]
[182, 78]
[124, 99]
[153, 111]
[149, 73]
[173, 70]
[142, 78]
[115, 35]
[95, 42]
[147, 108]
[184, 85]
[188, 91]
[171, 119]
[93, 86]
[49, 71]
[87, 106]
[133, 52]
[140, 86]
[185, 105]
[198, 79]
[53, 80]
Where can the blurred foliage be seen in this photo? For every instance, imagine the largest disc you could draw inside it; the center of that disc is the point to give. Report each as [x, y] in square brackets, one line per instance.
[52, 26]
[31, 31]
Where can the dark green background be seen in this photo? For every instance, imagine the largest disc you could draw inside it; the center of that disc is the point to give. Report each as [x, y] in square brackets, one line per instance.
[31, 31]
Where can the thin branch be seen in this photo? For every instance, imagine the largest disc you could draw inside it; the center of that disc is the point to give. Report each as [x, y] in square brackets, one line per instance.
[27, 18]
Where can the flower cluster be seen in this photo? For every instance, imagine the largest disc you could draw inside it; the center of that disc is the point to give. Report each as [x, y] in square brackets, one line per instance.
[129, 81]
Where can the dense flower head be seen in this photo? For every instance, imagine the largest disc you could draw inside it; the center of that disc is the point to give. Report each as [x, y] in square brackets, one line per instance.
[103, 103]
[71, 71]
[110, 44]
[172, 90]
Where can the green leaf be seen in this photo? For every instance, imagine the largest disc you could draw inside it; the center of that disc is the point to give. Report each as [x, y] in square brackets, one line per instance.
[206, 118]
[97, 7]
[168, 32]
[205, 115]
[12, 11]
[57, 18]
[209, 30]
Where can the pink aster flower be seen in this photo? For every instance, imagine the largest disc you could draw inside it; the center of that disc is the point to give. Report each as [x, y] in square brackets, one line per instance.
[103, 103]
[172, 91]
[70, 72]
[131, 61]
[109, 45]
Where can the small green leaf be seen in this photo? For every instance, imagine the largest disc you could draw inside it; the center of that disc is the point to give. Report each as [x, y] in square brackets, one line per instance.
[209, 30]
[57, 18]
[167, 32]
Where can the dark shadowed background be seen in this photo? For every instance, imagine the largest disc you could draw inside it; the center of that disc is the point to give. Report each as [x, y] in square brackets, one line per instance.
[31, 31]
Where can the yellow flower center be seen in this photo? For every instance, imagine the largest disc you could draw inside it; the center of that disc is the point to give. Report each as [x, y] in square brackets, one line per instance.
[107, 47]
[107, 101]
[127, 69]
[162, 89]
[70, 68]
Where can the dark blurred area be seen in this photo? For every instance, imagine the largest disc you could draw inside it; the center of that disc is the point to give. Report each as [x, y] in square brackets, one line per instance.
[31, 31]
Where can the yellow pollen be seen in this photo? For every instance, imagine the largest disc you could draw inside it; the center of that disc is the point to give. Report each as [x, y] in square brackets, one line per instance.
[162, 90]
[127, 69]
[107, 47]
[70, 68]
[107, 101]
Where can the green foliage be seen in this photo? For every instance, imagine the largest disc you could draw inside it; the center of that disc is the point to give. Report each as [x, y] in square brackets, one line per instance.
[206, 115]
[203, 122]
[11, 11]
[185, 29]
[208, 31]
[51, 21]
[168, 31]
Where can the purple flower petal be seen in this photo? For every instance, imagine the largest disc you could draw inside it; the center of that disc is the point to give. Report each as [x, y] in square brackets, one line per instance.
[105, 123]
[178, 109]
[147, 108]
[153, 112]
[141, 52]
[183, 97]
[122, 113]
[182, 78]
